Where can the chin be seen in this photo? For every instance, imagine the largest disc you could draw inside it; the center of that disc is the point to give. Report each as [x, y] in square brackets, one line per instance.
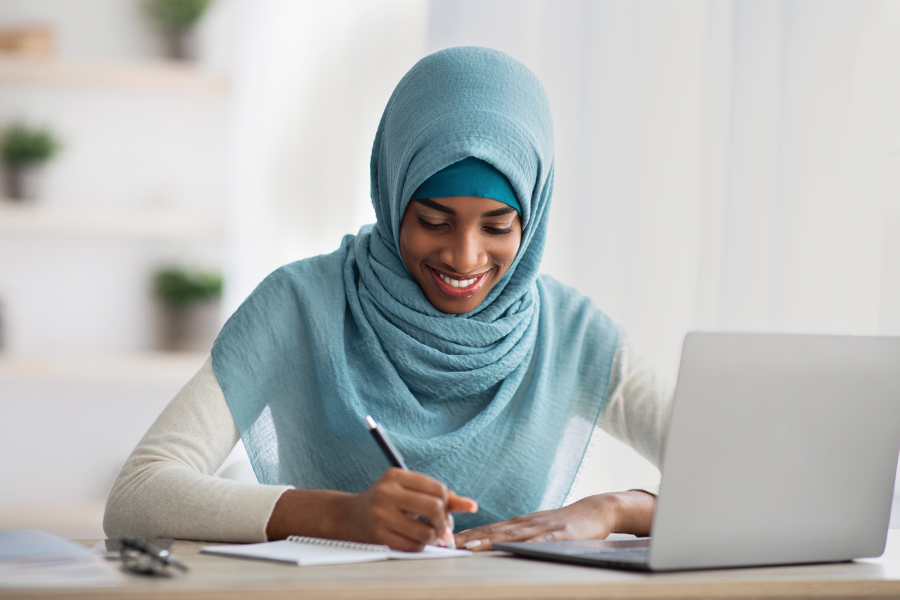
[454, 307]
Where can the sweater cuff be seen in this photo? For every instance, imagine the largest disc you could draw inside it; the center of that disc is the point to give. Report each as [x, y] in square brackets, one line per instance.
[247, 511]
[650, 489]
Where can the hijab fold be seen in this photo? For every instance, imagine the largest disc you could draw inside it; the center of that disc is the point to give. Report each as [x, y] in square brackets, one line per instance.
[498, 403]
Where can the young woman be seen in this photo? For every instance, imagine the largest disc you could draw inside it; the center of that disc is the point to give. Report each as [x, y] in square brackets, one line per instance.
[489, 378]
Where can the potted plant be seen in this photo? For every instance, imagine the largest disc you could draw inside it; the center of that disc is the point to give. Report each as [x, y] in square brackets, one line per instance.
[189, 301]
[24, 150]
[175, 20]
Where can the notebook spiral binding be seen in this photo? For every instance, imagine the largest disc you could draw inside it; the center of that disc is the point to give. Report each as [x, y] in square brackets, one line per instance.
[299, 539]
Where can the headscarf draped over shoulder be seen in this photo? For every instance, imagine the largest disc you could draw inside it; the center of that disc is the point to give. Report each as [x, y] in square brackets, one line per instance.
[498, 403]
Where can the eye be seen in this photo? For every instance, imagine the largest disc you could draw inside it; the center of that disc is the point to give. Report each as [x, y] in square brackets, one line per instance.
[431, 226]
[498, 230]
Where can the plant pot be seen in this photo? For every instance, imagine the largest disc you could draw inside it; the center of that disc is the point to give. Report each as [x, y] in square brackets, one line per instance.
[178, 44]
[191, 328]
[22, 181]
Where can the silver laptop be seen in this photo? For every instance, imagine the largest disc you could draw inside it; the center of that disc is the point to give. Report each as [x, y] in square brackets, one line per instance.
[781, 449]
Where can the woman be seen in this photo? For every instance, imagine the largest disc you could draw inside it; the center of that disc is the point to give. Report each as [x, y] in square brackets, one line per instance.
[489, 378]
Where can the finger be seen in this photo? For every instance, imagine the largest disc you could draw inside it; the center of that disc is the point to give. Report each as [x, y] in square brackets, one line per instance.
[475, 533]
[390, 511]
[514, 534]
[473, 539]
[410, 527]
[511, 532]
[446, 539]
[432, 509]
[397, 488]
[390, 518]
[476, 545]
[419, 482]
[400, 542]
[457, 503]
[484, 530]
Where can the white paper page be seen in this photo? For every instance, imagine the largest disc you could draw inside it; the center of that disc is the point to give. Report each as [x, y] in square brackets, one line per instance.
[32, 558]
[428, 552]
[296, 553]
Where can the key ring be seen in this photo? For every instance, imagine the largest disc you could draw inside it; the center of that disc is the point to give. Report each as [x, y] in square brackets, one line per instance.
[145, 559]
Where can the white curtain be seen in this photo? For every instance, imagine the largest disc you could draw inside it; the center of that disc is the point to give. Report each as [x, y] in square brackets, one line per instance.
[721, 164]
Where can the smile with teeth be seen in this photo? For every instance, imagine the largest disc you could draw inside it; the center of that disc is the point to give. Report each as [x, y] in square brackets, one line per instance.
[458, 283]
[458, 287]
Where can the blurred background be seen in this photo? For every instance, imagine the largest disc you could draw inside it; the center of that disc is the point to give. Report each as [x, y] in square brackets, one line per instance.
[721, 165]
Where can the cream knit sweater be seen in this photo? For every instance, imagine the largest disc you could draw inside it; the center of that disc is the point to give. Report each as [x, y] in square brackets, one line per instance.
[166, 489]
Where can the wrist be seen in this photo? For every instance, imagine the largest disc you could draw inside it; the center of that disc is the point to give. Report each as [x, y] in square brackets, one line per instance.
[313, 513]
[614, 507]
[337, 521]
[632, 511]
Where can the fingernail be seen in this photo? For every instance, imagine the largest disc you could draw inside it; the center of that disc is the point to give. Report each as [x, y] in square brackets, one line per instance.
[448, 539]
[472, 545]
[452, 524]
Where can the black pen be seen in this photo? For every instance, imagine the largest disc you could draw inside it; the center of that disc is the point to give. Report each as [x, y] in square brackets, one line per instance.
[387, 446]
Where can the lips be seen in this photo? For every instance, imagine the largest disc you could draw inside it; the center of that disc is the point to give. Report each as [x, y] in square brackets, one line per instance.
[457, 287]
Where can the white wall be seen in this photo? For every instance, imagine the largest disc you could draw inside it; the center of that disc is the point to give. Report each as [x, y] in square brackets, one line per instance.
[68, 433]
[77, 305]
[310, 83]
[125, 148]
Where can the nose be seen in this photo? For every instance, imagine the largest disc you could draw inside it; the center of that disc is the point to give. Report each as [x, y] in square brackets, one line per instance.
[464, 252]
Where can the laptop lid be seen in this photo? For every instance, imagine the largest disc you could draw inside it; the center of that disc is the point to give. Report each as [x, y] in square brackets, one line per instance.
[781, 449]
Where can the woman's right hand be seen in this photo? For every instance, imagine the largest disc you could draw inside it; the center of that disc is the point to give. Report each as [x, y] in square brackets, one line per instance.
[386, 513]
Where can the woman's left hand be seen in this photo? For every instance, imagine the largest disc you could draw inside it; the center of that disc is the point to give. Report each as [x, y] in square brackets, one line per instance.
[591, 518]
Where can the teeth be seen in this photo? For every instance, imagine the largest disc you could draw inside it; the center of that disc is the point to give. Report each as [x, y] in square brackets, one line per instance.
[457, 283]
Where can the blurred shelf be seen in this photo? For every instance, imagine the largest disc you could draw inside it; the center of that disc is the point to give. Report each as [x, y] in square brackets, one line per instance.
[142, 225]
[152, 367]
[162, 76]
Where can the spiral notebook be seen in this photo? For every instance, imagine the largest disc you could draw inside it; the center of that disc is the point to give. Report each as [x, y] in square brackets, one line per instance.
[307, 552]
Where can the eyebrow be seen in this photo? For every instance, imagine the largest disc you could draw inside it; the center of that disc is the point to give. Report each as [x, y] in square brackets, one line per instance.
[446, 209]
[500, 211]
[436, 206]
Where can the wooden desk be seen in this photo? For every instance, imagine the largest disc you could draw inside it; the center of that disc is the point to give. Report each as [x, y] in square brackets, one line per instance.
[491, 575]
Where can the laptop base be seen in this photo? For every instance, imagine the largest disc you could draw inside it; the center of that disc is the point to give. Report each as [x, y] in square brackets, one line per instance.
[630, 555]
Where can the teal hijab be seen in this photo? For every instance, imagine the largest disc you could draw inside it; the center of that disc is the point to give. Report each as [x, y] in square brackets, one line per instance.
[469, 177]
[498, 403]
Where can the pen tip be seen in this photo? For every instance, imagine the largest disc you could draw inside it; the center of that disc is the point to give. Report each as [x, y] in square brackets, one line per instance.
[371, 422]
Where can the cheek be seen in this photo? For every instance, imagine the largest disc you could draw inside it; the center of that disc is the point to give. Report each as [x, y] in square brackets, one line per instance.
[505, 250]
[413, 245]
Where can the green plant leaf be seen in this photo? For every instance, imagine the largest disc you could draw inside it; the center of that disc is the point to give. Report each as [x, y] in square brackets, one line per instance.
[175, 15]
[178, 287]
[20, 143]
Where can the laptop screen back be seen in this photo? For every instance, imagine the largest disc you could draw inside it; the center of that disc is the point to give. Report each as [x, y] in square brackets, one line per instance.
[781, 449]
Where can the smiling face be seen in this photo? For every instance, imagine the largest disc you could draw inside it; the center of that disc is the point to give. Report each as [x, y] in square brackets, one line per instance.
[458, 248]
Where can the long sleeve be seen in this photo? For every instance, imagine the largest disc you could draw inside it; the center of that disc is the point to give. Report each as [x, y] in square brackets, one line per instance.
[636, 413]
[638, 409]
[166, 489]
